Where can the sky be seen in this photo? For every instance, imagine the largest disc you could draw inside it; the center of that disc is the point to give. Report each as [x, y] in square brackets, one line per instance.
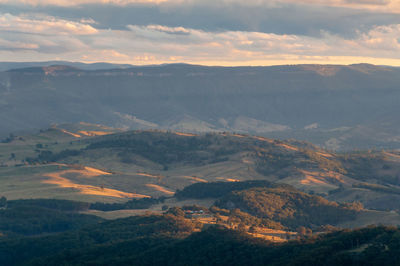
[207, 32]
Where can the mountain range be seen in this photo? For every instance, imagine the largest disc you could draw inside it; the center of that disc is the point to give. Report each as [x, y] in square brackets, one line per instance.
[334, 106]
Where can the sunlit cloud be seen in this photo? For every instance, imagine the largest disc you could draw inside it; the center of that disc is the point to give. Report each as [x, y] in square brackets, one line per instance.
[382, 5]
[30, 35]
[162, 44]
[66, 3]
[43, 25]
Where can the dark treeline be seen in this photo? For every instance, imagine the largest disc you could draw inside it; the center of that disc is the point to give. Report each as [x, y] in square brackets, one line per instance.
[39, 216]
[220, 189]
[75, 206]
[43, 216]
[149, 231]
[168, 240]
[144, 203]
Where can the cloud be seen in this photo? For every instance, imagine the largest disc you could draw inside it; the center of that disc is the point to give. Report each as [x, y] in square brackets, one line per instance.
[42, 34]
[17, 45]
[66, 3]
[153, 43]
[169, 30]
[225, 32]
[298, 17]
[43, 25]
[255, 3]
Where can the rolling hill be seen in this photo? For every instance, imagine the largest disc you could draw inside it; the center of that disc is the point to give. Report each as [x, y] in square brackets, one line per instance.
[111, 165]
[95, 195]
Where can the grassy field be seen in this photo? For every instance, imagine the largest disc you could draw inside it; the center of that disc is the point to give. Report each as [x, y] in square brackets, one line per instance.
[139, 176]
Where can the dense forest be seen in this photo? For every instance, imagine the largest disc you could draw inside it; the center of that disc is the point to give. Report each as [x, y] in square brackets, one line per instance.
[291, 208]
[172, 240]
[43, 216]
[219, 189]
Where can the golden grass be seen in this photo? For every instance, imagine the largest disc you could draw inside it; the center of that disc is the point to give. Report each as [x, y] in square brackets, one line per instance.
[391, 155]
[70, 133]
[228, 179]
[94, 133]
[185, 134]
[309, 180]
[288, 147]
[161, 189]
[317, 177]
[271, 238]
[150, 175]
[90, 171]
[195, 178]
[324, 154]
[56, 178]
[263, 139]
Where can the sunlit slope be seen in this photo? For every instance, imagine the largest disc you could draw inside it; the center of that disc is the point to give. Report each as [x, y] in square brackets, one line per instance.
[154, 163]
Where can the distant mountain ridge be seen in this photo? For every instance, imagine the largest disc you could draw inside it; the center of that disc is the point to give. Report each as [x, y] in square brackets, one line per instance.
[335, 106]
[4, 66]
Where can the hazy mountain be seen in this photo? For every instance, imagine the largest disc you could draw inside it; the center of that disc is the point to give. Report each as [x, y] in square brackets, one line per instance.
[4, 66]
[335, 106]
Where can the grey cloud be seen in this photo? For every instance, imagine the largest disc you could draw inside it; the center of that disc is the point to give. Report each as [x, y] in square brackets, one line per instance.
[284, 19]
[369, 2]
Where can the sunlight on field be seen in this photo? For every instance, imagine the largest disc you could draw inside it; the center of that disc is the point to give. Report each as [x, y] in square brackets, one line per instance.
[70, 133]
[195, 178]
[288, 147]
[57, 178]
[90, 171]
[185, 134]
[228, 179]
[94, 133]
[263, 139]
[324, 154]
[149, 175]
[161, 189]
[310, 179]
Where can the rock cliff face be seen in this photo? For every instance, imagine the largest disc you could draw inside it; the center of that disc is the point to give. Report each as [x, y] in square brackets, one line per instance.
[333, 106]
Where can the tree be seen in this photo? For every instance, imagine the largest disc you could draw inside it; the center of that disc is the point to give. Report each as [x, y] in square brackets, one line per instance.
[252, 229]
[3, 202]
[302, 231]
[309, 232]
[241, 227]
[176, 211]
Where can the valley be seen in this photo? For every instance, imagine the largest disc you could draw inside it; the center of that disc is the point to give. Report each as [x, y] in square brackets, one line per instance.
[337, 107]
[263, 189]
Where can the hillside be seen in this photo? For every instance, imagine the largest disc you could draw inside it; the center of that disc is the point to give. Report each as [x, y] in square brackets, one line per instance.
[218, 198]
[338, 107]
[107, 165]
[291, 208]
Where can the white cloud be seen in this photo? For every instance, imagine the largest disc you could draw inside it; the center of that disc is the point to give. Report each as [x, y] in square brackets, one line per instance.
[78, 2]
[43, 25]
[171, 30]
[40, 37]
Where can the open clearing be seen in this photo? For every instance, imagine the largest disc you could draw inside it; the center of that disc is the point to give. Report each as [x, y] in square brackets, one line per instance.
[57, 178]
